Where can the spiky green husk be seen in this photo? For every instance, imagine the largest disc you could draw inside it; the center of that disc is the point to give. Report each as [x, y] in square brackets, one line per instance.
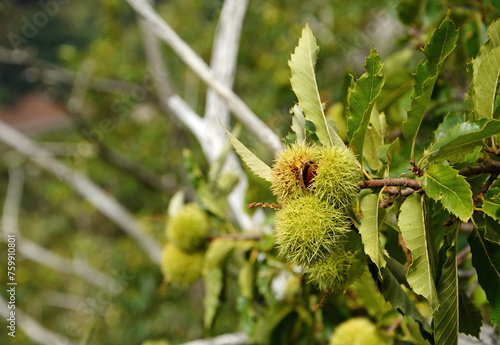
[308, 229]
[330, 274]
[189, 228]
[337, 176]
[357, 331]
[286, 181]
[180, 267]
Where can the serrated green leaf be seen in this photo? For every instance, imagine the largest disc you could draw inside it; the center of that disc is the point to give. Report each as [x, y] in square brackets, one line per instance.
[491, 203]
[440, 46]
[463, 139]
[413, 228]
[362, 99]
[470, 318]
[258, 167]
[486, 261]
[446, 317]
[303, 81]
[369, 231]
[298, 123]
[443, 183]
[485, 86]
[399, 299]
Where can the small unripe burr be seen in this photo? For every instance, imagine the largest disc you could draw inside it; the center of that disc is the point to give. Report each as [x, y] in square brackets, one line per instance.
[330, 274]
[189, 228]
[180, 267]
[358, 331]
[308, 229]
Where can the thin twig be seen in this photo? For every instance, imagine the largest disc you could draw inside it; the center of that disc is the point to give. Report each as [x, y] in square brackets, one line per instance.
[488, 168]
[402, 181]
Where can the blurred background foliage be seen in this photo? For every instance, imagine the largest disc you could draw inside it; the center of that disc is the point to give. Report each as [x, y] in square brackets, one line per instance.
[104, 35]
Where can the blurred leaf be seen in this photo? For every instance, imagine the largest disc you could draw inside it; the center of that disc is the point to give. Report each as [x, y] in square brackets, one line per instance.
[486, 261]
[369, 230]
[441, 44]
[443, 183]
[362, 99]
[176, 203]
[394, 293]
[409, 11]
[298, 123]
[246, 280]
[446, 317]
[267, 324]
[336, 112]
[217, 252]
[463, 139]
[214, 282]
[415, 234]
[491, 203]
[303, 80]
[258, 167]
[470, 318]
[369, 296]
[213, 276]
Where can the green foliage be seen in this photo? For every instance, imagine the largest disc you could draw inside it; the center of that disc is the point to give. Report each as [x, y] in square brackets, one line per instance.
[362, 100]
[486, 260]
[445, 184]
[369, 230]
[447, 316]
[441, 44]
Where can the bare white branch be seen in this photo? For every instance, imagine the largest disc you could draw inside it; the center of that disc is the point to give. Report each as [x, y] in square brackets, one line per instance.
[32, 328]
[37, 253]
[184, 51]
[104, 202]
[226, 339]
